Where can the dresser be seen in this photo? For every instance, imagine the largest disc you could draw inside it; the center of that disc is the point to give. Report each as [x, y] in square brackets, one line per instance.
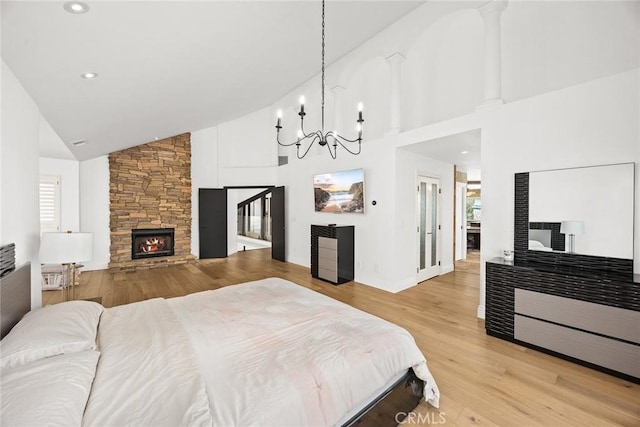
[590, 318]
[332, 253]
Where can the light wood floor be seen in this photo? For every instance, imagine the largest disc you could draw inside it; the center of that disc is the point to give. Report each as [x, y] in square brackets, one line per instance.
[483, 380]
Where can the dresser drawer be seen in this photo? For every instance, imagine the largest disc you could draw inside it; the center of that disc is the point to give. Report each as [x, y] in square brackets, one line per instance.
[327, 242]
[328, 274]
[603, 319]
[327, 264]
[327, 253]
[609, 353]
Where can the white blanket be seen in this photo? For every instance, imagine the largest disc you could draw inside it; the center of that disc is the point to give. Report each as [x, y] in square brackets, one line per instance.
[147, 374]
[275, 353]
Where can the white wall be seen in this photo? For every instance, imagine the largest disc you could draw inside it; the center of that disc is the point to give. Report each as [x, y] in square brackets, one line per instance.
[20, 222]
[549, 45]
[50, 145]
[204, 174]
[408, 166]
[374, 243]
[94, 209]
[69, 173]
[253, 130]
[441, 70]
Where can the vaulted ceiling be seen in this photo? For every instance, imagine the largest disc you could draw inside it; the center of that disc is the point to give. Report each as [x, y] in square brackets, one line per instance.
[169, 67]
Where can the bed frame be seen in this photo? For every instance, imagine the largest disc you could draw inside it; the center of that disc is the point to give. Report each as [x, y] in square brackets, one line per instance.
[15, 297]
[393, 405]
[388, 409]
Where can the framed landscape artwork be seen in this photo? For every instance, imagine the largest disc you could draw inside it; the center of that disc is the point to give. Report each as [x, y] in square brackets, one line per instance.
[339, 192]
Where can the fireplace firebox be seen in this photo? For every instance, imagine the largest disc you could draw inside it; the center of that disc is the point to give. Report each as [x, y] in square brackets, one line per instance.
[147, 243]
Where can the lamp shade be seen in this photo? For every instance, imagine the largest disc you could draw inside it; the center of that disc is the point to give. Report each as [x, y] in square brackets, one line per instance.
[572, 227]
[66, 248]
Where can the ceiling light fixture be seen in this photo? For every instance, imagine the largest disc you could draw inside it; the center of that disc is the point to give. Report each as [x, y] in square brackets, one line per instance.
[76, 7]
[79, 143]
[329, 139]
[89, 76]
[464, 152]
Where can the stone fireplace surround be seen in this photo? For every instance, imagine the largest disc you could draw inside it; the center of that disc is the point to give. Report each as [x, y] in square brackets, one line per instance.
[150, 188]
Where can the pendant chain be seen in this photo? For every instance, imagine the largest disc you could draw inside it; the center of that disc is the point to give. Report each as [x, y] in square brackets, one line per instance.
[323, 66]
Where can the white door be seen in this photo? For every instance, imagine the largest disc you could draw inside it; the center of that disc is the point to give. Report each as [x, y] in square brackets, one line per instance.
[428, 228]
[461, 221]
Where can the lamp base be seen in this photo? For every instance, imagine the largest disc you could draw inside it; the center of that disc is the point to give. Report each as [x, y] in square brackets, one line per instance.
[572, 244]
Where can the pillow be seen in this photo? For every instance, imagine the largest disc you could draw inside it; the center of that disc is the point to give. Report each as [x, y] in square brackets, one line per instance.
[68, 327]
[52, 391]
[535, 244]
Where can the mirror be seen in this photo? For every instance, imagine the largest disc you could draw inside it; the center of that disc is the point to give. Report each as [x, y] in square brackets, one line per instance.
[586, 211]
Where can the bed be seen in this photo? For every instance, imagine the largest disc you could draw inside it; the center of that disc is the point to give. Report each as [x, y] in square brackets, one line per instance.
[261, 353]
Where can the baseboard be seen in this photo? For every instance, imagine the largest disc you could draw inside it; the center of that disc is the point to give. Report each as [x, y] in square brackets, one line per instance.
[446, 269]
[407, 283]
[481, 313]
[94, 266]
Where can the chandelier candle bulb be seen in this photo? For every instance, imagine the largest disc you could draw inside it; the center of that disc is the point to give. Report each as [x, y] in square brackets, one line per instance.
[279, 115]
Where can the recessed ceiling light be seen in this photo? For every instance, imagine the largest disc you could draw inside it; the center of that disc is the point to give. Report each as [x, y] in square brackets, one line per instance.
[79, 143]
[76, 7]
[89, 76]
[465, 152]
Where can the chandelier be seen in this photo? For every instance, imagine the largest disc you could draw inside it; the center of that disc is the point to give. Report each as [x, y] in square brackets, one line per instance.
[330, 139]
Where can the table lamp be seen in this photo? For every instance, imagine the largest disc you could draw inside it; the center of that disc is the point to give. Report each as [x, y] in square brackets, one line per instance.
[573, 229]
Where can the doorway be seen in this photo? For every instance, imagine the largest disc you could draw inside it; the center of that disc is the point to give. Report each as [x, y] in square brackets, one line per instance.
[218, 219]
[461, 221]
[429, 228]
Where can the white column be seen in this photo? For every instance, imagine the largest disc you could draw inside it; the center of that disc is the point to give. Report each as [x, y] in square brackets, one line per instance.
[338, 101]
[395, 117]
[491, 13]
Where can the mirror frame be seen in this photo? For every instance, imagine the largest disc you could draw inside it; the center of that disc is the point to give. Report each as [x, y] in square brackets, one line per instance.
[577, 263]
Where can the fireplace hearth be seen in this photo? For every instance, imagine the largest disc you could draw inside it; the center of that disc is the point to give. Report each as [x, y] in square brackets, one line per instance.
[148, 243]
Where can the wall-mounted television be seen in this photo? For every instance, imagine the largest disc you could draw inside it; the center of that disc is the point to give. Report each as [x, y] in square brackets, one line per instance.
[339, 192]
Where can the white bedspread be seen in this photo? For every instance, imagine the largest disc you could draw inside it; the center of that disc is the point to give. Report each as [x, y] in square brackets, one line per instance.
[147, 374]
[275, 353]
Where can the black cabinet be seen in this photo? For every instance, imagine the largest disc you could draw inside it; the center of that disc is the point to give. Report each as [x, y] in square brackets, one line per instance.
[332, 253]
[575, 314]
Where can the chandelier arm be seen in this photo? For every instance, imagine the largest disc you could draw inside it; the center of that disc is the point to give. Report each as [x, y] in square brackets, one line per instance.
[342, 138]
[305, 136]
[355, 153]
[308, 147]
[333, 153]
[302, 129]
[283, 143]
